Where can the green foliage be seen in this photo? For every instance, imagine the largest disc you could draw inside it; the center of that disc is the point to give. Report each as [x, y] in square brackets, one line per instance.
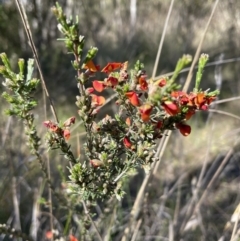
[20, 98]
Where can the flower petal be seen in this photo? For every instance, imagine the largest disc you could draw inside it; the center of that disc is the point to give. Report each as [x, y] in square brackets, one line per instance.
[91, 66]
[97, 100]
[127, 143]
[128, 121]
[145, 111]
[133, 98]
[66, 134]
[161, 82]
[69, 121]
[171, 108]
[98, 85]
[112, 81]
[143, 83]
[96, 163]
[110, 67]
[184, 129]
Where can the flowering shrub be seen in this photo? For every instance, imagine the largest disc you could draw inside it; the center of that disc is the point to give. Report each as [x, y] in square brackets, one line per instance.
[116, 144]
[147, 108]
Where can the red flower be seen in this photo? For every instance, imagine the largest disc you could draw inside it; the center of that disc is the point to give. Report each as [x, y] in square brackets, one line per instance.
[69, 121]
[171, 108]
[72, 238]
[66, 134]
[112, 81]
[96, 163]
[190, 113]
[133, 98]
[98, 85]
[97, 100]
[145, 111]
[143, 83]
[49, 234]
[159, 124]
[127, 143]
[52, 126]
[161, 82]
[89, 90]
[91, 66]
[184, 129]
[210, 99]
[110, 67]
[181, 96]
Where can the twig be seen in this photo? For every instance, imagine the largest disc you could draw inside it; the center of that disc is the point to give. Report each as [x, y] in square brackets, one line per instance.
[91, 220]
[214, 63]
[224, 113]
[136, 230]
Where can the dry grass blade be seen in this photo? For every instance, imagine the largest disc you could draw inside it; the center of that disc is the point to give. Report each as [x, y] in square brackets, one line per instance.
[161, 41]
[217, 173]
[197, 54]
[17, 224]
[35, 54]
[36, 211]
[6, 130]
[34, 50]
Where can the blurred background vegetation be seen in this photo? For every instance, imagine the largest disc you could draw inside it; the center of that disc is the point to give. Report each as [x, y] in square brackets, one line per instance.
[131, 30]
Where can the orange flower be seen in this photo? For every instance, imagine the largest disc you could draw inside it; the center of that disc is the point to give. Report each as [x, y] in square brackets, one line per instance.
[145, 111]
[98, 85]
[170, 107]
[110, 67]
[127, 143]
[91, 66]
[184, 129]
[200, 100]
[97, 100]
[133, 98]
[72, 238]
[128, 121]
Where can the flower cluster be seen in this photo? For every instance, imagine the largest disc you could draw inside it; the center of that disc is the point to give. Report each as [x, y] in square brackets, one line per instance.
[61, 131]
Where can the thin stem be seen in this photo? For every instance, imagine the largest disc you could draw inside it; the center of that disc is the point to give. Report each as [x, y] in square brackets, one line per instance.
[196, 56]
